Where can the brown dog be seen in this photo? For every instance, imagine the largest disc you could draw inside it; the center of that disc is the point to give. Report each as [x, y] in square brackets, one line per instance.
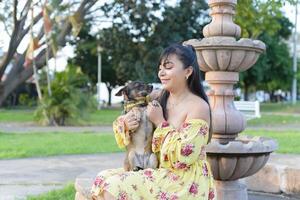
[139, 154]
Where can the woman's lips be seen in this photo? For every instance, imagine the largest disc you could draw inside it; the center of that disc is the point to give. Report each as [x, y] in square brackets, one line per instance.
[163, 81]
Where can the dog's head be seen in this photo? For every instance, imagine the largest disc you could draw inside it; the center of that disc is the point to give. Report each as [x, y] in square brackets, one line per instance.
[135, 90]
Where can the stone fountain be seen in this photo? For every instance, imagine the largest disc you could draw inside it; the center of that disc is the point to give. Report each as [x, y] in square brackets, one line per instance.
[222, 57]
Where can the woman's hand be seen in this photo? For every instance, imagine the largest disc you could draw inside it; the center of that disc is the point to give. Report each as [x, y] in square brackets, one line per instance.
[155, 113]
[132, 119]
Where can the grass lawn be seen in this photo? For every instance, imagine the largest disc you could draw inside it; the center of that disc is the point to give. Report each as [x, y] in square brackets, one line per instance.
[16, 115]
[270, 120]
[103, 117]
[46, 144]
[288, 141]
[280, 107]
[67, 193]
[99, 117]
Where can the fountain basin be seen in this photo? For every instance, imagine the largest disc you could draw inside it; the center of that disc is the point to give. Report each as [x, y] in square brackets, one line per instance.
[239, 158]
[226, 54]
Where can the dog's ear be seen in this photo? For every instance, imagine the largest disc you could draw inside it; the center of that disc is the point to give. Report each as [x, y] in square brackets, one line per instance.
[121, 91]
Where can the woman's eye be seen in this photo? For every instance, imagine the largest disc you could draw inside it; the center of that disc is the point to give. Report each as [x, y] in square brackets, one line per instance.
[168, 65]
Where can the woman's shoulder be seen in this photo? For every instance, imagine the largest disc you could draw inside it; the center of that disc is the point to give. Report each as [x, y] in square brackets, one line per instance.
[198, 108]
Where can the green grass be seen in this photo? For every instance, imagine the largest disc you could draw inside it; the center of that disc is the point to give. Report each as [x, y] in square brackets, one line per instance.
[280, 107]
[271, 120]
[103, 117]
[288, 141]
[99, 117]
[13, 115]
[67, 193]
[47, 144]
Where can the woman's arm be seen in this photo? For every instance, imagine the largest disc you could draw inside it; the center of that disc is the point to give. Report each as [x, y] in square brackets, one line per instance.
[121, 133]
[123, 125]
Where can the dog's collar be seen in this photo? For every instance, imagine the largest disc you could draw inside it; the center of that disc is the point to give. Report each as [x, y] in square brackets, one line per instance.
[128, 105]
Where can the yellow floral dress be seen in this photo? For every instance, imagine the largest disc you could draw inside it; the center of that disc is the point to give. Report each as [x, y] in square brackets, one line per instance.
[183, 172]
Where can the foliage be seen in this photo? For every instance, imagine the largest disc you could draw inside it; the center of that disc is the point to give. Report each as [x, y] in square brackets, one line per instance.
[256, 17]
[272, 71]
[138, 34]
[25, 100]
[87, 58]
[70, 99]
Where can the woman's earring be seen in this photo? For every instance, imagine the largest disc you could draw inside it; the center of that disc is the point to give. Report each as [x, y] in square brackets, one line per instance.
[186, 77]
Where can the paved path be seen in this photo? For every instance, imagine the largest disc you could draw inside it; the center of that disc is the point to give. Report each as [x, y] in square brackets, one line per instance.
[33, 128]
[32, 176]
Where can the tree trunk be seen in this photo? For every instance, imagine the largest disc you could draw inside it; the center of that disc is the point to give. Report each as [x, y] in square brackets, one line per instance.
[246, 92]
[272, 97]
[109, 95]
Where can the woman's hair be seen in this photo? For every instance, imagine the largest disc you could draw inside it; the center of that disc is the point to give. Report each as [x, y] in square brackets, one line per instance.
[187, 55]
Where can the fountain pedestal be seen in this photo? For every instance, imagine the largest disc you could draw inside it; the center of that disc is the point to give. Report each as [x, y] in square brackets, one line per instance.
[231, 190]
[222, 57]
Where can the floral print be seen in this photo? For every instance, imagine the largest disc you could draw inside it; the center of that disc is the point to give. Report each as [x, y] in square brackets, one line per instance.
[181, 153]
[121, 134]
[187, 149]
[194, 189]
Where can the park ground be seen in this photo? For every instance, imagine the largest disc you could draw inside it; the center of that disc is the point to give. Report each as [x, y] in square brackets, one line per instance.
[21, 137]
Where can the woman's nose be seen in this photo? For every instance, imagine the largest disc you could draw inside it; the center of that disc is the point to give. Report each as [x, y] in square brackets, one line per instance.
[161, 73]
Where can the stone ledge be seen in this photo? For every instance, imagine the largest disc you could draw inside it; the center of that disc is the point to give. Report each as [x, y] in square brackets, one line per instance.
[275, 178]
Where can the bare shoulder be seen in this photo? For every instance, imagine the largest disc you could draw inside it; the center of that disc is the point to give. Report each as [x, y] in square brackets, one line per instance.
[198, 108]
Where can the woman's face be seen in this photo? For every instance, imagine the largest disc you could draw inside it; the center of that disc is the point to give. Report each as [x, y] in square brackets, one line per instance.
[172, 73]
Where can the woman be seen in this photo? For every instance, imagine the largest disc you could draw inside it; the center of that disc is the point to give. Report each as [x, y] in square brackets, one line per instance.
[182, 118]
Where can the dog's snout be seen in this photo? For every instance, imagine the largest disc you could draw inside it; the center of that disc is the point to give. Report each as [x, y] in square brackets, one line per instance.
[144, 93]
[149, 88]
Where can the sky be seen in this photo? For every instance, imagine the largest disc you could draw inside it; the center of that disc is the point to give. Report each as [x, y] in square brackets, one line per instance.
[67, 51]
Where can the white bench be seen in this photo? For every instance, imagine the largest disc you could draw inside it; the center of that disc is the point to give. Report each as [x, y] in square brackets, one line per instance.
[249, 108]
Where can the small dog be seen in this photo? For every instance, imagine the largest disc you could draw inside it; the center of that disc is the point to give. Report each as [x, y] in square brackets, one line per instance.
[139, 154]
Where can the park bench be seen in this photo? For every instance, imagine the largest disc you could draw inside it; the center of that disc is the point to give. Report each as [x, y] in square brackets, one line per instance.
[249, 108]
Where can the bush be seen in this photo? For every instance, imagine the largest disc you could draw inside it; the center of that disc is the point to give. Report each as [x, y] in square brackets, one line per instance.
[25, 100]
[70, 100]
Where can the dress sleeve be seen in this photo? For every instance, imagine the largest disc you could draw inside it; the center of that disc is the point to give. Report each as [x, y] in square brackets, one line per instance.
[121, 134]
[181, 147]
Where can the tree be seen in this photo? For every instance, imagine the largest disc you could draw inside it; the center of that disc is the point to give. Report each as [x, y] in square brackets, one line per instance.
[264, 20]
[16, 21]
[137, 36]
[132, 45]
[86, 57]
